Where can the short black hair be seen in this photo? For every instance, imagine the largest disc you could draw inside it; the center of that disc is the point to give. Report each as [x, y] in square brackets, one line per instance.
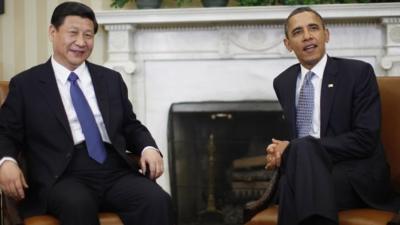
[301, 10]
[72, 9]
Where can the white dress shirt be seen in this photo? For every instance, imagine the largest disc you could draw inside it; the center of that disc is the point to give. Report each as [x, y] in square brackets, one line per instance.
[86, 85]
[316, 80]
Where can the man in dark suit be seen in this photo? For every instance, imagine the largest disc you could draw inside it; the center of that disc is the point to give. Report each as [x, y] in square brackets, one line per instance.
[335, 159]
[73, 123]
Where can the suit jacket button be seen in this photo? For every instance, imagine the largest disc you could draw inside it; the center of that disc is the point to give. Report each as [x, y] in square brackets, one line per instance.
[56, 176]
[68, 155]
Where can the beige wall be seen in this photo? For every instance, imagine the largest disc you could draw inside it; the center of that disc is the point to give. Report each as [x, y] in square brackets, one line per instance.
[23, 34]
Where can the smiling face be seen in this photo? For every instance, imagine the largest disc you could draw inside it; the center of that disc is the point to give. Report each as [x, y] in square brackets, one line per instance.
[72, 41]
[306, 36]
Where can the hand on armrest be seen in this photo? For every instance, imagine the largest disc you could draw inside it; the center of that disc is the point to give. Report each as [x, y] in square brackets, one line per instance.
[12, 180]
[152, 163]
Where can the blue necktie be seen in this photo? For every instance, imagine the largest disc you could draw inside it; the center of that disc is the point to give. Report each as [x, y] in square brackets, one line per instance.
[305, 106]
[94, 142]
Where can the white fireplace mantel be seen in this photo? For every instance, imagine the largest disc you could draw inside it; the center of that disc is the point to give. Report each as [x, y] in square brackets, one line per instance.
[242, 14]
[230, 54]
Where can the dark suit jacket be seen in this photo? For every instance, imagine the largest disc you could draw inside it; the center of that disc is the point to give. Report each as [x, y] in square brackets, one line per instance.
[350, 126]
[34, 121]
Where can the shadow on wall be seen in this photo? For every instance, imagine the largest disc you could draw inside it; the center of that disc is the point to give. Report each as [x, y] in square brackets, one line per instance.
[1, 6]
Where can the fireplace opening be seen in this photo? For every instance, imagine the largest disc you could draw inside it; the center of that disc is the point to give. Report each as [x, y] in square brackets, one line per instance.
[216, 152]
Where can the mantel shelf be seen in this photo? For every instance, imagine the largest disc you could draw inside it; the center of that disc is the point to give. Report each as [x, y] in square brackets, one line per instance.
[243, 14]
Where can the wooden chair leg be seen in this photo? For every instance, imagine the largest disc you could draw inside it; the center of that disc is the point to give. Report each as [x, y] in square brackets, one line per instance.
[266, 200]
[9, 213]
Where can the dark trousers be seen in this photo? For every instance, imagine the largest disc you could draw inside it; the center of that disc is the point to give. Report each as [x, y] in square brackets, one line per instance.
[307, 186]
[88, 187]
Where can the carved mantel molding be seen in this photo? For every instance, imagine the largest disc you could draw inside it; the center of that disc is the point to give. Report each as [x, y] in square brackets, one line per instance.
[229, 21]
[391, 60]
[120, 47]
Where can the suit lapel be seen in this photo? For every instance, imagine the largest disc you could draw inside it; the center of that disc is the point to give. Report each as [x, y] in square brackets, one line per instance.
[290, 89]
[329, 86]
[50, 92]
[100, 88]
[292, 103]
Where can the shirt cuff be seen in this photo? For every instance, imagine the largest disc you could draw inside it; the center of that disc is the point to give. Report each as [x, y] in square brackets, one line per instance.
[150, 148]
[7, 159]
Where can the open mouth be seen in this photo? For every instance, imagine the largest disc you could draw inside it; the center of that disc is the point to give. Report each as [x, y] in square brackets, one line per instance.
[77, 52]
[310, 47]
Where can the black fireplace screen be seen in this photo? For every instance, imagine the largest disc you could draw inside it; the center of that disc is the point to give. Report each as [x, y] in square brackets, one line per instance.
[213, 149]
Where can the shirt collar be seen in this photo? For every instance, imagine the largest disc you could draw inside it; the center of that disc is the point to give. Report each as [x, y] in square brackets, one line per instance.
[318, 69]
[62, 73]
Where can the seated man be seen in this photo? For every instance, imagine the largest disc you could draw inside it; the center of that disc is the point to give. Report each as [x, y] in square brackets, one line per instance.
[73, 122]
[335, 160]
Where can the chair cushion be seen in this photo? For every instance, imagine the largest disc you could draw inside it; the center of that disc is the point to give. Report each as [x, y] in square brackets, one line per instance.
[349, 217]
[268, 216]
[41, 220]
[365, 217]
[106, 218]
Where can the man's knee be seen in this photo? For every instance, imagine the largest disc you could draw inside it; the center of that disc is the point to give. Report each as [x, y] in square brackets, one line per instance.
[306, 150]
[151, 206]
[72, 199]
[158, 198]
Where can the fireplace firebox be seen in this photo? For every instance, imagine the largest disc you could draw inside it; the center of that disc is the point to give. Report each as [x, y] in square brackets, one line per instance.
[212, 149]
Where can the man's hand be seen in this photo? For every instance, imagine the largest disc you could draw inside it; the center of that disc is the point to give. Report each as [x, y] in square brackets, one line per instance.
[152, 161]
[12, 180]
[274, 153]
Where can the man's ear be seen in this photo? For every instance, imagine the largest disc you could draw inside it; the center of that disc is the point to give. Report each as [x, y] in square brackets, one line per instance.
[327, 35]
[287, 45]
[52, 31]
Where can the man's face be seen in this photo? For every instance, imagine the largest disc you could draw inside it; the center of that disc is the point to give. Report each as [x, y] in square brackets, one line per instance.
[72, 41]
[307, 37]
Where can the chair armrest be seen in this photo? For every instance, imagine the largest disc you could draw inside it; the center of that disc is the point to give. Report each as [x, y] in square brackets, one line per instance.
[9, 211]
[266, 200]
[395, 220]
[2, 219]
[134, 158]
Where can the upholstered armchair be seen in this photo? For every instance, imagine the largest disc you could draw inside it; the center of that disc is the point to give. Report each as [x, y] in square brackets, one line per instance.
[262, 212]
[9, 214]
